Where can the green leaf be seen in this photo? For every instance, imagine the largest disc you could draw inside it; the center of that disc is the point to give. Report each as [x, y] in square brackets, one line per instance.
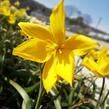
[26, 99]
[56, 101]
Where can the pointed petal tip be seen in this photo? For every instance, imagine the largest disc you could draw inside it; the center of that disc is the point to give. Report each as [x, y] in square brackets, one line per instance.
[70, 82]
[20, 24]
[13, 52]
[62, 1]
[47, 89]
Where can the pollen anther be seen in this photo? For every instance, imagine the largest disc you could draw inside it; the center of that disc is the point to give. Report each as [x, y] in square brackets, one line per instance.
[60, 51]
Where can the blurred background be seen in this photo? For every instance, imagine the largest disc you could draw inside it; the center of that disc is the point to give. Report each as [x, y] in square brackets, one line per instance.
[88, 17]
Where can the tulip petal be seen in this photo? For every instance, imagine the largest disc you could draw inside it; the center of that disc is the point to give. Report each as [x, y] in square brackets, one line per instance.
[49, 75]
[89, 63]
[34, 50]
[65, 66]
[57, 22]
[35, 31]
[106, 70]
[80, 44]
[99, 66]
[61, 66]
[103, 61]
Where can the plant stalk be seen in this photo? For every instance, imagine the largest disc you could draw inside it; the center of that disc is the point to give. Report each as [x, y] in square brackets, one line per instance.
[101, 93]
[40, 91]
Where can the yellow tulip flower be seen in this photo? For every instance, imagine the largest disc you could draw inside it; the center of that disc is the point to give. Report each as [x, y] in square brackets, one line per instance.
[4, 7]
[16, 13]
[12, 18]
[20, 13]
[11, 11]
[50, 46]
[97, 62]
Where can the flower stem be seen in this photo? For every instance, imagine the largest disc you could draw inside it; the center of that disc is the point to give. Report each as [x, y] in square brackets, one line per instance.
[101, 92]
[40, 92]
[70, 97]
[105, 97]
[104, 100]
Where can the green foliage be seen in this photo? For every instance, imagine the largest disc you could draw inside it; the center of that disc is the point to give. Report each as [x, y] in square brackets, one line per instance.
[11, 67]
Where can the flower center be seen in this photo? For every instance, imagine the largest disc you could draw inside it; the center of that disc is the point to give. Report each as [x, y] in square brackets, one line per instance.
[59, 50]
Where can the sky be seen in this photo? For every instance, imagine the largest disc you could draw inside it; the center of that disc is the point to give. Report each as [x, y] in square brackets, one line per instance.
[97, 9]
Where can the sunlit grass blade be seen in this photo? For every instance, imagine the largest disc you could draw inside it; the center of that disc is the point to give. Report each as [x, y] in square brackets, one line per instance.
[26, 99]
[56, 101]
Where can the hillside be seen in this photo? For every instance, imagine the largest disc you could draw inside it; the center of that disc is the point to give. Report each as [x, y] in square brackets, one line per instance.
[74, 25]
